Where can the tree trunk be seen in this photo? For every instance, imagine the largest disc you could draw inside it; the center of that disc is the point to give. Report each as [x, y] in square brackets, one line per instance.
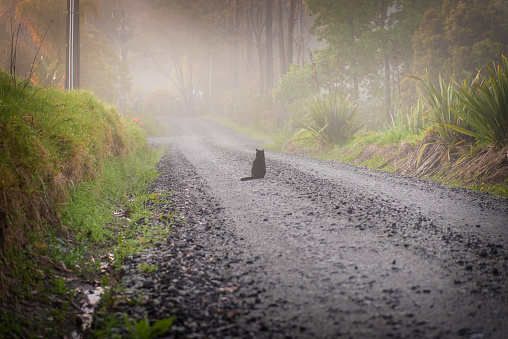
[290, 38]
[248, 41]
[282, 52]
[300, 36]
[255, 17]
[269, 45]
[386, 56]
[234, 46]
[351, 24]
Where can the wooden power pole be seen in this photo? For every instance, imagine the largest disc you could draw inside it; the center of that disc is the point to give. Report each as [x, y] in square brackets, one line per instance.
[72, 65]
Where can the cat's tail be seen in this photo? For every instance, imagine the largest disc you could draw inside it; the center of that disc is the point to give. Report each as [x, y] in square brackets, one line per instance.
[247, 178]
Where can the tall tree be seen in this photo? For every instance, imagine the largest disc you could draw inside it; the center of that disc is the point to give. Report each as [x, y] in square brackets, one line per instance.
[383, 26]
[304, 23]
[282, 52]
[257, 23]
[269, 44]
[460, 37]
[290, 36]
[342, 24]
[373, 39]
[408, 16]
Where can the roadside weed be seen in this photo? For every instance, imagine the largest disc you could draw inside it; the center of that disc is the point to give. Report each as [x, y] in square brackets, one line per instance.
[442, 103]
[143, 330]
[330, 119]
[147, 268]
[486, 103]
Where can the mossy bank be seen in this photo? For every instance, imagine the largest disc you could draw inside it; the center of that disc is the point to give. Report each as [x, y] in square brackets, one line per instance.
[73, 180]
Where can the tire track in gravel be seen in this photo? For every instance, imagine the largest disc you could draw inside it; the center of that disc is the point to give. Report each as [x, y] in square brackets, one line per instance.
[320, 249]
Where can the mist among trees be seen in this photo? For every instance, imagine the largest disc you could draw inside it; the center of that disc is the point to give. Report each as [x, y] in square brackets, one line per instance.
[257, 61]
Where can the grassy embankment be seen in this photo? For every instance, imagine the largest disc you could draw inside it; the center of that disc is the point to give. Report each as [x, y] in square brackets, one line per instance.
[73, 181]
[400, 150]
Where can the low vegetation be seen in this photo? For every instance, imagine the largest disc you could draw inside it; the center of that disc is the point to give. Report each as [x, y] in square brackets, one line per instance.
[454, 133]
[331, 118]
[73, 194]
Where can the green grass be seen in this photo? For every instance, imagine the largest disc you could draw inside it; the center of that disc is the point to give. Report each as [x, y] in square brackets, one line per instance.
[74, 178]
[96, 233]
[97, 208]
[149, 124]
[390, 136]
[498, 189]
[477, 108]
[50, 140]
[441, 103]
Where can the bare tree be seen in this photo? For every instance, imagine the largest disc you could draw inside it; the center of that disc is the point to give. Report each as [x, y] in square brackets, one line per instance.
[187, 33]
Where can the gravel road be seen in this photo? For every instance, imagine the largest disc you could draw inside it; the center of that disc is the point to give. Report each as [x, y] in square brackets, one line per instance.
[316, 249]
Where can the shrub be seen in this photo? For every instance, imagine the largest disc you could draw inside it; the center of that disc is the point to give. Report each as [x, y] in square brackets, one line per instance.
[485, 106]
[441, 103]
[330, 119]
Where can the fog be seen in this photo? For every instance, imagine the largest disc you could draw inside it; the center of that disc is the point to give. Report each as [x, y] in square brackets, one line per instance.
[212, 56]
[199, 50]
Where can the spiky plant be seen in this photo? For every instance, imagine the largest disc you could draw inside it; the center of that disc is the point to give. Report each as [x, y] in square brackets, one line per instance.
[330, 119]
[416, 118]
[441, 103]
[486, 106]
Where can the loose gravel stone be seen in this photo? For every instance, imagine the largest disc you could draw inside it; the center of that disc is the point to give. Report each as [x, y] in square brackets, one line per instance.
[315, 250]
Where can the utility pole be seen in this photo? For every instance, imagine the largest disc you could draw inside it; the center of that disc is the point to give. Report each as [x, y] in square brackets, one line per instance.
[72, 65]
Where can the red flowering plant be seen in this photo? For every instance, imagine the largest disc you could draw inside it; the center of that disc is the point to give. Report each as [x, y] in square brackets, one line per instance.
[137, 121]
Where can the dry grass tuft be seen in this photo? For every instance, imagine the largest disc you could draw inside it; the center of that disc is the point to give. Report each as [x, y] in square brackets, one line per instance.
[466, 164]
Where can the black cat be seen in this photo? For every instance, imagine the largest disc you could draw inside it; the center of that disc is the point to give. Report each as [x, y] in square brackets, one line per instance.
[258, 166]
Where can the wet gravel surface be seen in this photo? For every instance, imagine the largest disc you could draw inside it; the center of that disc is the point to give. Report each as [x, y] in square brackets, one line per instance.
[316, 249]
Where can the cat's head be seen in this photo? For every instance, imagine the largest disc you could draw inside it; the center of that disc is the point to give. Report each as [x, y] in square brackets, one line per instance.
[260, 152]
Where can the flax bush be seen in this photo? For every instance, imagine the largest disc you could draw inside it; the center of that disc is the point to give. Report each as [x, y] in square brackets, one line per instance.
[484, 106]
[331, 118]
